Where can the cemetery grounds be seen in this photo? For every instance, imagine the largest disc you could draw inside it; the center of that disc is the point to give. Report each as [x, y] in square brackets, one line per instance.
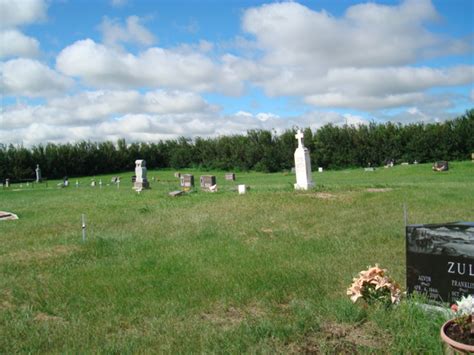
[219, 272]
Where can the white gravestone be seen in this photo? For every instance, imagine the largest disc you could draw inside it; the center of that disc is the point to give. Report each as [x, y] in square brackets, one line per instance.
[304, 180]
[242, 189]
[38, 173]
[141, 181]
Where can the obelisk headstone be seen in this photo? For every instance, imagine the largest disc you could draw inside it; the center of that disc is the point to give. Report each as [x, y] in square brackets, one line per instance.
[304, 180]
[38, 173]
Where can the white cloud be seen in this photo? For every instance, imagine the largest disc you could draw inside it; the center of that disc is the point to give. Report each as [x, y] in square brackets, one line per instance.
[153, 68]
[367, 35]
[27, 77]
[114, 33]
[98, 106]
[118, 3]
[15, 43]
[359, 60]
[21, 12]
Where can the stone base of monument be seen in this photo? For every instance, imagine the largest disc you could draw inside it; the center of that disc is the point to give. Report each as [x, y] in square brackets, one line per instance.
[141, 185]
[304, 186]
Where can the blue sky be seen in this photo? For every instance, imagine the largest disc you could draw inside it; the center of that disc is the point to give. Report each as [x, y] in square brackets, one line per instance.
[151, 70]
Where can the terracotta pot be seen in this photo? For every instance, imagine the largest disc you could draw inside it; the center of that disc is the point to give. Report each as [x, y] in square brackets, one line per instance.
[454, 346]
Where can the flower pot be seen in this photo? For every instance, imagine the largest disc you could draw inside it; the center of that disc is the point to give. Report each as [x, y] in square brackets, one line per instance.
[452, 346]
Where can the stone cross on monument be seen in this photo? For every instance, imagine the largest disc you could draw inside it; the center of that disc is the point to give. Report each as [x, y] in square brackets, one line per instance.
[304, 179]
[300, 137]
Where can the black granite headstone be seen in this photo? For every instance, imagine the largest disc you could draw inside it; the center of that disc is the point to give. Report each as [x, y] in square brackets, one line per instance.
[440, 260]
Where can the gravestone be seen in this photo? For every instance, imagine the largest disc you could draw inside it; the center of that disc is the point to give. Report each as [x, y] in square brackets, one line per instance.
[141, 181]
[187, 181]
[230, 176]
[320, 169]
[304, 180]
[441, 165]
[177, 175]
[242, 189]
[38, 173]
[440, 260]
[4, 216]
[369, 169]
[176, 193]
[472, 157]
[7, 182]
[207, 181]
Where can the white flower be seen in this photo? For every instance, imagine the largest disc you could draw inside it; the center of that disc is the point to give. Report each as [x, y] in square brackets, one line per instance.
[465, 305]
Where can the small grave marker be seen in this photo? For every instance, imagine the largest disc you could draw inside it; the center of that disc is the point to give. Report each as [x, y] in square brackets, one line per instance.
[441, 165]
[230, 176]
[207, 182]
[176, 193]
[83, 227]
[186, 181]
[320, 169]
[242, 189]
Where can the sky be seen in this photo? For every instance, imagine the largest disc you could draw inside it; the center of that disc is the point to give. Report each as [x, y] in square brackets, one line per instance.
[143, 70]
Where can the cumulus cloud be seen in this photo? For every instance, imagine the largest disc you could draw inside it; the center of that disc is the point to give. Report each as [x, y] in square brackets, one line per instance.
[13, 14]
[363, 59]
[149, 117]
[21, 12]
[15, 43]
[28, 77]
[114, 33]
[97, 106]
[155, 67]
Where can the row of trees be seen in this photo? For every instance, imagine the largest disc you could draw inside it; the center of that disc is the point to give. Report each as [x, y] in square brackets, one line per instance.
[331, 147]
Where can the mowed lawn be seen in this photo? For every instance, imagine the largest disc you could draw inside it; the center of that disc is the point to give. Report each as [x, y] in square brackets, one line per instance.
[218, 272]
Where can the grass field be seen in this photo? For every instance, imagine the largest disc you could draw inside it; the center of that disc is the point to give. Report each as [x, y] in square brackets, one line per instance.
[218, 272]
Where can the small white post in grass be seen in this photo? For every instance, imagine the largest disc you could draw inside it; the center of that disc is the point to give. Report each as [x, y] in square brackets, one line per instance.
[100, 183]
[77, 184]
[83, 228]
[405, 214]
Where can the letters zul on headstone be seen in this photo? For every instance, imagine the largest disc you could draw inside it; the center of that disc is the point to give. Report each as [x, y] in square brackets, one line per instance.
[440, 260]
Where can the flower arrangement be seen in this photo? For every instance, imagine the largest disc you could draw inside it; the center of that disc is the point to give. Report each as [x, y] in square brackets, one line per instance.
[461, 329]
[374, 285]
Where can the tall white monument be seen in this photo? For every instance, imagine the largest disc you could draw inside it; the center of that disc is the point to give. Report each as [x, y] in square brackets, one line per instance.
[304, 180]
[38, 173]
[141, 181]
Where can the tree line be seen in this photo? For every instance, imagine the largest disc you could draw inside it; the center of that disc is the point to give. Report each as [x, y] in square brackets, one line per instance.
[331, 147]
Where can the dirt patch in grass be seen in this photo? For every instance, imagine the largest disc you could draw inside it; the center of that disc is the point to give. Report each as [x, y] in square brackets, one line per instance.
[345, 339]
[230, 317]
[40, 255]
[44, 317]
[6, 300]
[386, 189]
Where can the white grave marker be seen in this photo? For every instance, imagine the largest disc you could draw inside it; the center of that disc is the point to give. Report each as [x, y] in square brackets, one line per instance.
[304, 180]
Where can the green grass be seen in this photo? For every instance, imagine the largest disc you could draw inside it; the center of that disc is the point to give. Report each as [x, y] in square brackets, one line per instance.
[218, 272]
